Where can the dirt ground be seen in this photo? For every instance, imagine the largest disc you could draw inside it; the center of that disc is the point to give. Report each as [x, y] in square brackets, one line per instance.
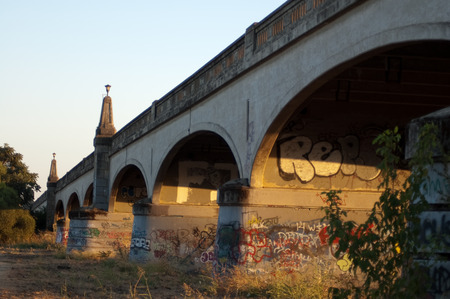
[40, 273]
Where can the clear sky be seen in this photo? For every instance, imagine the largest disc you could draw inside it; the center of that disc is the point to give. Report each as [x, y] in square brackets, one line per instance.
[56, 57]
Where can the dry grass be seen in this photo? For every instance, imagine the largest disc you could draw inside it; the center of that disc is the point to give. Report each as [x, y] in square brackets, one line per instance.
[43, 270]
[311, 282]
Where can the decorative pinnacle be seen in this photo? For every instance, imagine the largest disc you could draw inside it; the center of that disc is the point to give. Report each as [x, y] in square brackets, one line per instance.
[54, 155]
[108, 88]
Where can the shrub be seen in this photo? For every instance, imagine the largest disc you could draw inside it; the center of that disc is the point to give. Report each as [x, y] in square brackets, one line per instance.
[15, 226]
[40, 217]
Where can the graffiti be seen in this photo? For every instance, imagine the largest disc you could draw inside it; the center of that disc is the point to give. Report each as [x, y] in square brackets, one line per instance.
[133, 192]
[435, 227]
[175, 242]
[341, 200]
[140, 243]
[344, 263]
[440, 279]
[288, 246]
[227, 241]
[300, 158]
[253, 247]
[206, 237]
[258, 222]
[113, 236]
[202, 175]
[84, 233]
[207, 257]
[436, 186]
[62, 234]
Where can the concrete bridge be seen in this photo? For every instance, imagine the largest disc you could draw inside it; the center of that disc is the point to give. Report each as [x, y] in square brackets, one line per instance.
[232, 162]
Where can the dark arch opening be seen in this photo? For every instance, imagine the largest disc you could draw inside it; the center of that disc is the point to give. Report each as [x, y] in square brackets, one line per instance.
[89, 196]
[128, 188]
[337, 116]
[194, 169]
[59, 211]
[73, 204]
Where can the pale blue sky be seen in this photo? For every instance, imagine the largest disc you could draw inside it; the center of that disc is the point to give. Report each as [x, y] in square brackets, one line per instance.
[56, 56]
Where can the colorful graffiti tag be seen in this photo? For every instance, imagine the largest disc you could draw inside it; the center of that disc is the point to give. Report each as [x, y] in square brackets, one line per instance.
[166, 243]
[287, 246]
[301, 158]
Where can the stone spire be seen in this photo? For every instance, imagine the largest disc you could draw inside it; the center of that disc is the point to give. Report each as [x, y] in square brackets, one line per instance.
[106, 125]
[53, 177]
[51, 194]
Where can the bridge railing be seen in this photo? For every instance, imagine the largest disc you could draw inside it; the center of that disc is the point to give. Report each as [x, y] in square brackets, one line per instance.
[80, 169]
[289, 22]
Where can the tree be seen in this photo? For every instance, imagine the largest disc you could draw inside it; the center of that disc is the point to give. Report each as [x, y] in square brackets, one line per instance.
[14, 174]
[8, 197]
[382, 249]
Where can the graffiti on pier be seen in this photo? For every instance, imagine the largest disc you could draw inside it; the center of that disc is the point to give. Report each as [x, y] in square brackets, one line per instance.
[440, 278]
[115, 235]
[253, 246]
[62, 234]
[436, 186]
[176, 242]
[435, 227]
[140, 243]
[207, 256]
[286, 246]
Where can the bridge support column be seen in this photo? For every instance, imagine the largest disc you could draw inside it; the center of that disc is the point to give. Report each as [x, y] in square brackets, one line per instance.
[266, 229]
[435, 222]
[62, 232]
[98, 231]
[101, 173]
[51, 205]
[99, 228]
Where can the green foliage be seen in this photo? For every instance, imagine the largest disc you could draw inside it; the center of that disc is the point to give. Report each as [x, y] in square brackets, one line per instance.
[382, 248]
[14, 173]
[8, 197]
[15, 226]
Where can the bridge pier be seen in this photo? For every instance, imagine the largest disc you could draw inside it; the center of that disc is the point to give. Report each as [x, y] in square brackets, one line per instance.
[264, 229]
[100, 232]
[435, 222]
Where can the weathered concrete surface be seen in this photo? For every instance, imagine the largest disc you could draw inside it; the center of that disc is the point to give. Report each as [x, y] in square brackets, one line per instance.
[98, 231]
[435, 223]
[185, 233]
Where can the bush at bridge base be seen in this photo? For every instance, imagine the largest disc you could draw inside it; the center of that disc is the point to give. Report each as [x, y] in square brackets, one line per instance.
[15, 226]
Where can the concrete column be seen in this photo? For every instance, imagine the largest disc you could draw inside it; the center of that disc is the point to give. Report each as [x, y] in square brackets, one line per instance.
[51, 205]
[101, 173]
[435, 222]
[51, 194]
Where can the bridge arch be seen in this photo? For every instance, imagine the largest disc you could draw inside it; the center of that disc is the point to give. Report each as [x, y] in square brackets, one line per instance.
[73, 204]
[195, 167]
[128, 187]
[59, 211]
[89, 196]
[385, 44]
[407, 80]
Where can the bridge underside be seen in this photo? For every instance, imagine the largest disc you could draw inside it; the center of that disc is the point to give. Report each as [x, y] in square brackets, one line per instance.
[327, 144]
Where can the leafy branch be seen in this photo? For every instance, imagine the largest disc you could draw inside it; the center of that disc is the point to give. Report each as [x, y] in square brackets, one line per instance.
[382, 248]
